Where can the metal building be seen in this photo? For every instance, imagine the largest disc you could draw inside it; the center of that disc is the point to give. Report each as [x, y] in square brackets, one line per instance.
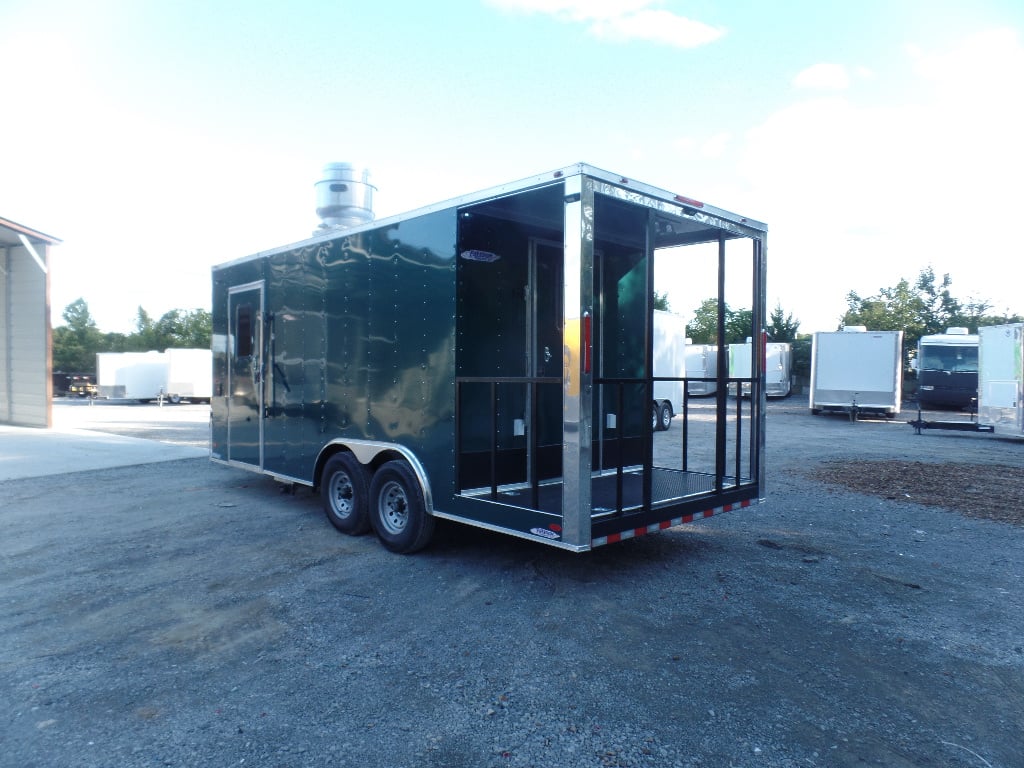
[25, 333]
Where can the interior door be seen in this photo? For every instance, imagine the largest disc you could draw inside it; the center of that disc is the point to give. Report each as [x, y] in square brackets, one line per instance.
[245, 374]
[545, 317]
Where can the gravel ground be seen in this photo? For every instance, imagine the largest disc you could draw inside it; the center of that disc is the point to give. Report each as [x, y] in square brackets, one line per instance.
[185, 614]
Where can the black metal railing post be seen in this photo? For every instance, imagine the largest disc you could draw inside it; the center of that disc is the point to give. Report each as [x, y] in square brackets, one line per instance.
[494, 440]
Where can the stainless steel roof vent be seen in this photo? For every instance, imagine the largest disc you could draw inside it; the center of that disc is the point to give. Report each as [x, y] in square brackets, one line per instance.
[344, 196]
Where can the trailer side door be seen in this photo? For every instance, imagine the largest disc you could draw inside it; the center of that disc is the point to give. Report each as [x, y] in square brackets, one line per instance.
[245, 374]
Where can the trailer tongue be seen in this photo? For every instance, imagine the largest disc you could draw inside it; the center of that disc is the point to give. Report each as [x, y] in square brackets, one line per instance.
[490, 360]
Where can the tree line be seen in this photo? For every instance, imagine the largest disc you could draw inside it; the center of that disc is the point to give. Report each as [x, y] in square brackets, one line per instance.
[925, 306]
[919, 308]
[76, 343]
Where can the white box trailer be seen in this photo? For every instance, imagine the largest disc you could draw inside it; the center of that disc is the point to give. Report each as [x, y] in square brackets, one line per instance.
[1001, 378]
[702, 369]
[189, 375]
[778, 374]
[857, 371]
[669, 360]
[740, 357]
[173, 375]
[130, 375]
[778, 364]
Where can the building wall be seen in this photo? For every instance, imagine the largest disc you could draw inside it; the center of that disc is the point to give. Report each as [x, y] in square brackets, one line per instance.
[25, 381]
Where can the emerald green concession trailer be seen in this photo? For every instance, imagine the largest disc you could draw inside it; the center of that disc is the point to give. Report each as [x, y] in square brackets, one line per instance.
[488, 360]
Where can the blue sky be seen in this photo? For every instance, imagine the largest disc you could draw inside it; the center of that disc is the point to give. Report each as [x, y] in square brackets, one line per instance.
[159, 138]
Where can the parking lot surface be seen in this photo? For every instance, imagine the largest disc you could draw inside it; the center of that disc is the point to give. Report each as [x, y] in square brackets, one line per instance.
[181, 613]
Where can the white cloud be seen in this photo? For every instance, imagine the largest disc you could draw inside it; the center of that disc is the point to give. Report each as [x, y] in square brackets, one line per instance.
[684, 144]
[859, 194]
[574, 9]
[824, 76]
[622, 20]
[716, 146]
[980, 68]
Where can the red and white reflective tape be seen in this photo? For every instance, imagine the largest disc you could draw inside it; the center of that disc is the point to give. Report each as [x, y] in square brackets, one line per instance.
[655, 527]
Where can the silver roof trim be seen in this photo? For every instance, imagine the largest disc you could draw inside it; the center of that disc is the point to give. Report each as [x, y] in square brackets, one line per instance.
[709, 213]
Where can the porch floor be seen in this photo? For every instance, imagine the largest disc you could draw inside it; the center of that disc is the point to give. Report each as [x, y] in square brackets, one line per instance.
[667, 485]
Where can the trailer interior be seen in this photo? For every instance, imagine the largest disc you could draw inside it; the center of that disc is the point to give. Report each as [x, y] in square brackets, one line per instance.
[555, 300]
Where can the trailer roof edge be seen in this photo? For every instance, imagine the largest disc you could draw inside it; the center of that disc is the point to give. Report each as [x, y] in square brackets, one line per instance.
[520, 185]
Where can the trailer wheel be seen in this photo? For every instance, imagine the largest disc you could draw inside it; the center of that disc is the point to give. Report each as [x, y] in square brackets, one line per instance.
[665, 416]
[344, 494]
[655, 422]
[398, 512]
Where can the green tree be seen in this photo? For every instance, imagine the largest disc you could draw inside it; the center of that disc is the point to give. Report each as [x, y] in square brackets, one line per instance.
[800, 364]
[899, 308]
[177, 328]
[703, 329]
[781, 326]
[939, 310]
[1003, 319]
[76, 343]
[661, 302]
[115, 342]
[193, 329]
[926, 307]
[146, 336]
[739, 325]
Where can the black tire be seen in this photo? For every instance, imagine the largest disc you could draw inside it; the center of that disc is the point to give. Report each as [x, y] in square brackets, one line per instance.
[398, 512]
[665, 416]
[655, 422]
[343, 490]
[174, 399]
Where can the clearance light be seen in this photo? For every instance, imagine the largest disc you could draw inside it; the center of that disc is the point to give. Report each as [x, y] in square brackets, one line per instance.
[688, 201]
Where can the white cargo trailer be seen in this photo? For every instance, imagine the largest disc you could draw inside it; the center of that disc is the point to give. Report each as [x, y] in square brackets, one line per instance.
[857, 371]
[130, 375]
[778, 374]
[778, 362]
[189, 375]
[1001, 378]
[173, 375]
[740, 357]
[669, 360]
[702, 369]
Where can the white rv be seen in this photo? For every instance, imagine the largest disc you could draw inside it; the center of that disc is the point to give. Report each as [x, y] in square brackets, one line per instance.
[947, 369]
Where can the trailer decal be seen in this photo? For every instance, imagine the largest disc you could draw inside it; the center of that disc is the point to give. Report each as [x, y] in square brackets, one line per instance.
[655, 527]
[545, 533]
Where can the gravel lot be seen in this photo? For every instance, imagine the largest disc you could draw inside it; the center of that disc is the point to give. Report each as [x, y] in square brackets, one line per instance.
[186, 614]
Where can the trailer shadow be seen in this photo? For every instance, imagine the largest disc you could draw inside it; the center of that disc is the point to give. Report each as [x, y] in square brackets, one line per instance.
[482, 547]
